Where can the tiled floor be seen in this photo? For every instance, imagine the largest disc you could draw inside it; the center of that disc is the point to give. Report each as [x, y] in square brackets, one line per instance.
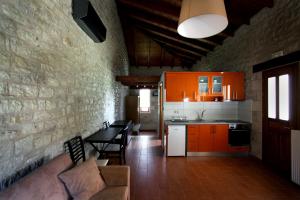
[154, 176]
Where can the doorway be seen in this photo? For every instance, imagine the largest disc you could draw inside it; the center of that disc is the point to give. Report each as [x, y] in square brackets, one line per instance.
[279, 115]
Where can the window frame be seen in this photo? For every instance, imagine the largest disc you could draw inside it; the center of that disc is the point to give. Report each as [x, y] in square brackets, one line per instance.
[149, 107]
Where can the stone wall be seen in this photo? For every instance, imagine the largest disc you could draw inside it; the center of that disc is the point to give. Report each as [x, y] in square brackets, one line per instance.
[55, 82]
[271, 30]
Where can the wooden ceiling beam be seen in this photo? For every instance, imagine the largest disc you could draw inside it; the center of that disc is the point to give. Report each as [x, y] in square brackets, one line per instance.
[162, 9]
[180, 50]
[138, 80]
[177, 40]
[165, 23]
[206, 43]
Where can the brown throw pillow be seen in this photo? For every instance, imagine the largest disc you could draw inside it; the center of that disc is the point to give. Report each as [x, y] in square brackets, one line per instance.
[84, 180]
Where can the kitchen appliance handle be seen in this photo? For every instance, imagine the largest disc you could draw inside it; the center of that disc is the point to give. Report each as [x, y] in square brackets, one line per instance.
[237, 130]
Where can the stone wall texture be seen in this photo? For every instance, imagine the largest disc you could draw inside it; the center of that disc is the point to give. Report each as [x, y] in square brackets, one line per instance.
[55, 82]
[271, 30]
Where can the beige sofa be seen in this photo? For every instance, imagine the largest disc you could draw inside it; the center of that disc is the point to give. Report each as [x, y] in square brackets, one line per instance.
[44, 183]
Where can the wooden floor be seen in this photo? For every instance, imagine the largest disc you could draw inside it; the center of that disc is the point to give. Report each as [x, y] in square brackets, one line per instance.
[154, 176]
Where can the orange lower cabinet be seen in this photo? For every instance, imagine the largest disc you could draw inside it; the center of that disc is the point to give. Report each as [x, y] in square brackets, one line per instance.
[221, 138]
[192, 141]
[205, 138]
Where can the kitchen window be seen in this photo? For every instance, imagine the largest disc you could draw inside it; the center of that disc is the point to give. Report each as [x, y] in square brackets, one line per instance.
[145, 100]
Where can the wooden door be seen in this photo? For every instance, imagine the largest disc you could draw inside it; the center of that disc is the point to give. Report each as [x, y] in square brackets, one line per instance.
[205, 138]
[220, 138]
[193, 140]
[132, 109]
[279, 116]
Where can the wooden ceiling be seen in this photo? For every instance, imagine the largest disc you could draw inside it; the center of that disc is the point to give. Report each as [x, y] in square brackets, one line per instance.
[150, 29]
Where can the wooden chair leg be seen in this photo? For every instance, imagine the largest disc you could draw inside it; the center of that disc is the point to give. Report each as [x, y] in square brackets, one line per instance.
[124, 157]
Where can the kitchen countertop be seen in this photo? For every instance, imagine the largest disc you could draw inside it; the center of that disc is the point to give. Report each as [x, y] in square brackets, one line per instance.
[185, 122]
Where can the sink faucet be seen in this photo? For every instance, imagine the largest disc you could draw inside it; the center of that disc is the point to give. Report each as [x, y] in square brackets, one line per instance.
[202, 113]
[200, 116]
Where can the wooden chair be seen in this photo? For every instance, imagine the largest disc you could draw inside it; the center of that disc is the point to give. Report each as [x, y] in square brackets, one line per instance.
[75, 148]
[117, 149]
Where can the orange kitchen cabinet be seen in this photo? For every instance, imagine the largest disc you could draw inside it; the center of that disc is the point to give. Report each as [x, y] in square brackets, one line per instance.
[192, 138]
[191, 86]
[174, 87]
[180, 85]
[205, 138]
[220, 138]
[214, 86]
[234, 84]
[208, 138]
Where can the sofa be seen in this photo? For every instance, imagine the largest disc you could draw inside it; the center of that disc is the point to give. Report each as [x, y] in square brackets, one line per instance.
[44, 183]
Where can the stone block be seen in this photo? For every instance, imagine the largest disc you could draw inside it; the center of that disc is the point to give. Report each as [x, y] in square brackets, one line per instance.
[24, 145]
[45, 92]
[42, 141]
[50, 105]
[6, 150]
[23, 90]
[14, 106]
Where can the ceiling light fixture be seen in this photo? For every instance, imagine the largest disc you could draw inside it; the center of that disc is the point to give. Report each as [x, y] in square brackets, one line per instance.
[202, 18]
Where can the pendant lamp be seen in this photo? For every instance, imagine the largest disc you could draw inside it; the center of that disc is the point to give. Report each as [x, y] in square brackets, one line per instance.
[202, 18]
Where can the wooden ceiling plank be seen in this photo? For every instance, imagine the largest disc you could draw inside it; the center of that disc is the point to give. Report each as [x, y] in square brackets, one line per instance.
[162, 9]
[138, 80]
[192, 53]
[207, 43]
[188, 48]
[177, 39]
[180, 51]
[166, 23]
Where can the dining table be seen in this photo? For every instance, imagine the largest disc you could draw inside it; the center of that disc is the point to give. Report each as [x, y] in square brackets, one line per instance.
[103, 138]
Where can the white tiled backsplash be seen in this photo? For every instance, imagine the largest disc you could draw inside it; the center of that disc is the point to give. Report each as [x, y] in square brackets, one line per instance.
[213, 110]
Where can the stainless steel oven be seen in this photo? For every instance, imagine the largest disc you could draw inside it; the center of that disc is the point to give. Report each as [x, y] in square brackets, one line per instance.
[239, 134]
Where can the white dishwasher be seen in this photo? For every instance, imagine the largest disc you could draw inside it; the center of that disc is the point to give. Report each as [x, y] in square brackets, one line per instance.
[176, 145]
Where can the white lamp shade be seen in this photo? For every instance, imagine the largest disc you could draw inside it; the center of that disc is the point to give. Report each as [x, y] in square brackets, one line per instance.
[202, 18]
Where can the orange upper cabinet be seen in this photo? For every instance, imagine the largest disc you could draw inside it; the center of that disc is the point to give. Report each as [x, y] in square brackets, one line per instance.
[181, 85]
[204, 86]
[234, 86]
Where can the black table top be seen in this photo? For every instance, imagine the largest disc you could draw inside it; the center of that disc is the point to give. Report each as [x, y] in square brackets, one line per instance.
[104, 135]
[120, 123]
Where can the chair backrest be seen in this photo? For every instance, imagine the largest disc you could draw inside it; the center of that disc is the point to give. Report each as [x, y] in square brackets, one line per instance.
[124, 133]
[106, 124]
[75, 148]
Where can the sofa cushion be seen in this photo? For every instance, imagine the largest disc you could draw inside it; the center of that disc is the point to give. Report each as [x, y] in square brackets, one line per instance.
[84, 180]
[112, 193]
[42, 183]
[115, 175]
